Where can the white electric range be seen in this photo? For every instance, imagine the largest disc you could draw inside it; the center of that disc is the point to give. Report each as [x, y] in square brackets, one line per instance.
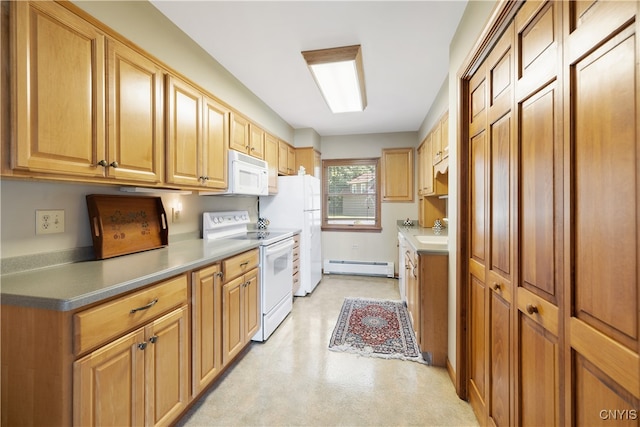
[276, 263]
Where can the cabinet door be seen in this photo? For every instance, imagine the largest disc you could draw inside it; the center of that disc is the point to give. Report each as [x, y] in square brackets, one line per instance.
[476, 285]
[397, 175]
[59, 103]
[256, 141]
[134, 116]
[167, 367]
[436, 143]
[433, 290]
[239, 138]
[427, 164]
[602, 282]
[206, 311]
[251, 301]
[215, 145]
[537, 298]
[232, 320]
[444, 136]
[291, 160]
[109, 384]
[283, 158]
[184, 133]
[500, 228]
[271, 157]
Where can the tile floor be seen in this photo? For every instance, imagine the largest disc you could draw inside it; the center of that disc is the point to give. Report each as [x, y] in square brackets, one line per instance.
[294, 380]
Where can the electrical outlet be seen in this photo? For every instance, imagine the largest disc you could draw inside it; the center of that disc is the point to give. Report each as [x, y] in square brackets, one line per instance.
[49, 221]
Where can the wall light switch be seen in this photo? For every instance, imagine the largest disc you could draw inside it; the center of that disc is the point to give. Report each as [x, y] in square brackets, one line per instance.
[49, 221]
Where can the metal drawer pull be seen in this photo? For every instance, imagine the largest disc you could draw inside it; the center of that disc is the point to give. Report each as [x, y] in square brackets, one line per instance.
[142, 345]
[531, 309]
[144, 307]
[244, 264]
[496, 286]
[153, 339]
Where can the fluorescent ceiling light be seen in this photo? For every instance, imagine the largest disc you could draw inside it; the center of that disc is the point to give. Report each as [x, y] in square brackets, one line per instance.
[340, 77]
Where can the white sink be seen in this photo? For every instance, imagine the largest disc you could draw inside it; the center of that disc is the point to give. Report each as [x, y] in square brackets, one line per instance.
[433, 240]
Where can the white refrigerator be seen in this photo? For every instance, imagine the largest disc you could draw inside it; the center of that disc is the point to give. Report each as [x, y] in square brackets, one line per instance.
[297, 205]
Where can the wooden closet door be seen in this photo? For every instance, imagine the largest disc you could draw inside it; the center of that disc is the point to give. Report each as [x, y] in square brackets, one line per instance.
[602, 262]
[538, 293]
[500, 231]
[476, 288]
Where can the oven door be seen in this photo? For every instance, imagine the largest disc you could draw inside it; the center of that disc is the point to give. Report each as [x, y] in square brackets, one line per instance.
[277, 273]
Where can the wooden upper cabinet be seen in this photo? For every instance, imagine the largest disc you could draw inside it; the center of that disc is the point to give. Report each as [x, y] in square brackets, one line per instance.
[309, 158]
[239, 140]
[271, 157]
[197, 137]
[444, 135]
[286, 159]
[291, 160]
[215, 145]
[436, 143]
[59, 106]
[397, 175]
[256, 141]
[246, 137]
[134, 115]
[184, 133]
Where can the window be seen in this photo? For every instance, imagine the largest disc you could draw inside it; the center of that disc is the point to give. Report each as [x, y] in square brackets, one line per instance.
[351, 195]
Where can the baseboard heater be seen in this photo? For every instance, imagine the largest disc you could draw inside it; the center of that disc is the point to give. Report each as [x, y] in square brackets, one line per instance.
[364, 268]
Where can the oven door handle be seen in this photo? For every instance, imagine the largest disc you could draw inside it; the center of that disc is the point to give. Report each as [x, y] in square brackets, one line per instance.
[279, 247]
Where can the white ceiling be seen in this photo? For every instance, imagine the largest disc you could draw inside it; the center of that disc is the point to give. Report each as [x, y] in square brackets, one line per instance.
[405, 49]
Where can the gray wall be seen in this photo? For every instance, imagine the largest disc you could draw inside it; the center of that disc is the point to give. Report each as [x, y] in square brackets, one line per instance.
[368, 246]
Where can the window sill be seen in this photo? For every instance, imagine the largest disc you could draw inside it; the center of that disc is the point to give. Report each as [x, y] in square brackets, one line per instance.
[352, 228]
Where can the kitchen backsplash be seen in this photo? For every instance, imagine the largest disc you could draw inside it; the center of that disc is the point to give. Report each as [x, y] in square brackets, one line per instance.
[21, 199]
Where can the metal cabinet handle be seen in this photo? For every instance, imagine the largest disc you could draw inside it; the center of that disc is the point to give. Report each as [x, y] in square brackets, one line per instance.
[496, 286]
[531, 309]
[102, 163]
[142, 345]
[219, 274]
[114, 164]
[244, 264]
[153, 339]
[144, 307]
[204, 178]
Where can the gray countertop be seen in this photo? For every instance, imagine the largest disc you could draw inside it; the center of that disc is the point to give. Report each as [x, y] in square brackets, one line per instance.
[72, 286]
[410, 233]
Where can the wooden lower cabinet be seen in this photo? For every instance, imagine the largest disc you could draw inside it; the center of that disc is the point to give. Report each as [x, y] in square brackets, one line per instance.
[240, 316]
[139, 379]
[240, 303]
[206, 326]
[427, 289]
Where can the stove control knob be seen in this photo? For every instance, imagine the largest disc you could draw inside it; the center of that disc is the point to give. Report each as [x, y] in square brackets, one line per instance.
[236, 217]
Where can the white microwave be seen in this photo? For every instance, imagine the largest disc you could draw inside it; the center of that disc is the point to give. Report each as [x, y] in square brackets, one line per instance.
[247, 175]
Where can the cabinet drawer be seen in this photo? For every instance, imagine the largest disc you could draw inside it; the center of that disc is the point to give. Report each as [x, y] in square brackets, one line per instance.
[296, 282]
[239, 264]
[107, 321]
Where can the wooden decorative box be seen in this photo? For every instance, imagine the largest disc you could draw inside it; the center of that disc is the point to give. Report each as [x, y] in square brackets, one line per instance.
[122, 225]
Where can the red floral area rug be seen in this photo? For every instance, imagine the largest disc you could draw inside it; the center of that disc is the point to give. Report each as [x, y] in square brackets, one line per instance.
[375, 328]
